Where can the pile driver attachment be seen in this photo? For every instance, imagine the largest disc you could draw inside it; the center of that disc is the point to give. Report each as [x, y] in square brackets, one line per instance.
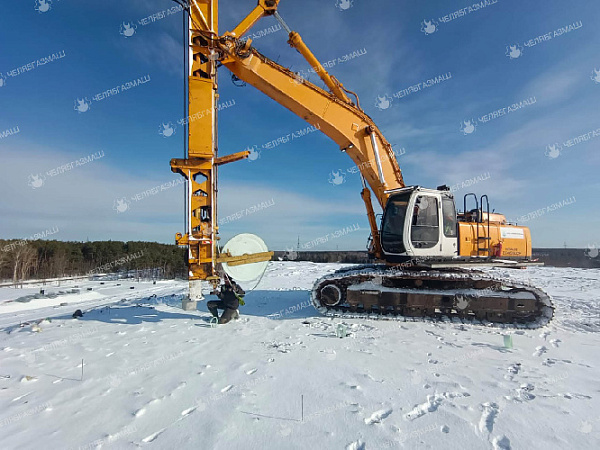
[201, 160]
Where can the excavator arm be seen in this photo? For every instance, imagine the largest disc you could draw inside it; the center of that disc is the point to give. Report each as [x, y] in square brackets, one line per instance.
[332, 112]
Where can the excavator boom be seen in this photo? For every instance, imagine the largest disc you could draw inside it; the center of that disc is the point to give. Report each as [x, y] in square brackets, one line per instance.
[345, 123]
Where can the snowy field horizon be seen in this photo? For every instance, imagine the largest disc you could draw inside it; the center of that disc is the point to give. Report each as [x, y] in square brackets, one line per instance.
[137, 371]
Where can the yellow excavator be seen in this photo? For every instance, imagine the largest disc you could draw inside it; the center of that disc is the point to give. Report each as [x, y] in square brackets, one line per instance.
[424, 251]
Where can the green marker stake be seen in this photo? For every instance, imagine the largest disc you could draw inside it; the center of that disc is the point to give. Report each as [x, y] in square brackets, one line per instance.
[340, 331]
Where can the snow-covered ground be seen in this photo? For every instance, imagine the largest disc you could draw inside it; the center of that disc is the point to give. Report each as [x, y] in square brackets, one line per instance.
[279, 378]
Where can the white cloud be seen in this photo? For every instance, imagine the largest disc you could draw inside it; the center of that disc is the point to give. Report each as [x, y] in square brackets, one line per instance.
[80, 202]
[292, 215]
[556, 85]
[157, 49]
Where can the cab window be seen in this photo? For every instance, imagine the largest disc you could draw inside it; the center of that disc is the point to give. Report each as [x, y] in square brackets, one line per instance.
[449, 214]
[425, 222]
[392, 229]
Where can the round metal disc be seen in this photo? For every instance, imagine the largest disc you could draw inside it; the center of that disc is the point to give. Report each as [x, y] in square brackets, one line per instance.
[245, 244]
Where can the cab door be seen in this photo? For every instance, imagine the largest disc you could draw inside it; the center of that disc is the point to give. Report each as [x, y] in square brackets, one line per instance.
[423, 223]
[449, 227]
[431, 230]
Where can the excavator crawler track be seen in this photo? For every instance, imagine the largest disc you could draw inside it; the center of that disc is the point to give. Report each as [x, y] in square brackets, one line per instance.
[416, 294]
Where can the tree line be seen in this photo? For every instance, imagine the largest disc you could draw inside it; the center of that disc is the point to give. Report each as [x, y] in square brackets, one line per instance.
[40, 259]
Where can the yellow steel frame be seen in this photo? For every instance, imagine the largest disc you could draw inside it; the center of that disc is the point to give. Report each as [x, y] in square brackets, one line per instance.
[199, 166]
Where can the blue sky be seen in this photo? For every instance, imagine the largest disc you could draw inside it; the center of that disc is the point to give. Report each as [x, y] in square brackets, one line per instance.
[507, 154]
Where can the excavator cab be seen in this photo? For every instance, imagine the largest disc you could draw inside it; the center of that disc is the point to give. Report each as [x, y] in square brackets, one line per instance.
[419, 222]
